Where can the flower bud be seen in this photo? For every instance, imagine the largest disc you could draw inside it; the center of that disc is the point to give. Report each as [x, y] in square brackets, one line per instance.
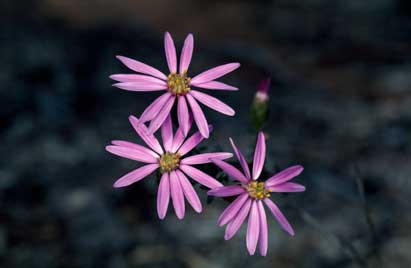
[259, 108]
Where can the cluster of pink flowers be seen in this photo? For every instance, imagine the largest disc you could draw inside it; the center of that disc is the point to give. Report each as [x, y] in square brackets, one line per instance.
[171, 160]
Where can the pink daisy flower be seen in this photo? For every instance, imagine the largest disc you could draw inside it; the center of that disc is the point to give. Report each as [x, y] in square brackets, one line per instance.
[252, 194]
[170, 160]
[177, 87]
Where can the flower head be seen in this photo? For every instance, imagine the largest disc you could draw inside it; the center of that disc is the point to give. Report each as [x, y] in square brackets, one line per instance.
[178, 87]
[252, 194]
[170, 159]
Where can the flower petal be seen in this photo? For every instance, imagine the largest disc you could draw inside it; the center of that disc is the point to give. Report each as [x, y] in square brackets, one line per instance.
[189, 192]
[186, 53]
[154, 108]
[177, 195]
[204, 158]
[232, 209]
[212, 102]
[156, 123]
[214, 73]
[140, 67]
[141, 130]
[135, 175]
[287, 187]
[183, 114]
[263, 239]
[191, 142]
[137, 78]
[259, 156]
[179, 137]
[226, 191]
[167, 134]
[285, 175]
[199, 117]
[235, 224]
[200, 177]
[134, 146]
[132, 153]
[170, 52]
[140, 86]
[163, 195]
[241, 159]
[253, 228]
[215, 85]
[279, 216]
[231, 171]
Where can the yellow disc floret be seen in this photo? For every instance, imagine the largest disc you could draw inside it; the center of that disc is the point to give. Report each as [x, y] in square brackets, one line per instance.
[169, 162]
[178, 84]
[257, 190]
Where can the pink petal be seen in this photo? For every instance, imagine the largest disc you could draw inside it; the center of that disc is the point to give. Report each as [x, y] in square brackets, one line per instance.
[135, 175]
[186, 53]
[242, 160]
[232, 209]
[167, 134]
[204, 158]
[163, 195]
[134, 146]
[287, 187]
[285, 175]
[214, 73]
[212, 102]
[263, 239]
[177, 195]
[215, 85]
[137, 78]
[253, 228]
[154, 108]
[156, 123]
[140, 86]
[191, 142]
[230, 170]
[170, 52]
[189, 192]
[279, 216]
[235, 224]
[132, 153]
[179, 137]
[259, 156]
[199, 117]
[141, 67]
[226, 191]
[200, 177]
[183, 114]
[141, 130]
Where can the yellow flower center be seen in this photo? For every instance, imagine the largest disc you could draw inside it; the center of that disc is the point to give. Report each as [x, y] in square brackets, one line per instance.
[178, 84]
[257, 190]
[169, 162]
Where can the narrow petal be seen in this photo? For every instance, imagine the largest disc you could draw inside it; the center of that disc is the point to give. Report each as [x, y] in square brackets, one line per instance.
[279, 216]
[140, 67]
[191, 142]
[259, 156]
[134, 146]
[170, 52]
[235, 224]
[241, 159]
[212, 102]
[231, 171]
[214, 73]
[226, 191]
[204, 158]
[183, 114]
[232, 209]
[156, 123]
[177, 195]
[199, 117]
[154, 108]
[132, 153]
[137, 78]
[163, 196]
[179, 137]
[140, 86]
[285, 175]
[253, 228]
[167, 133]
[200, 177]
[135, 175]
[189, 192]
[186, 53]
[141, 130]
[287, 187]
[263, 239]
[215, 85]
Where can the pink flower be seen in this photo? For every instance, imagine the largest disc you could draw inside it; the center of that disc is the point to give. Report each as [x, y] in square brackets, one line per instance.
[178, 87]
[252, 194]
[170, 160]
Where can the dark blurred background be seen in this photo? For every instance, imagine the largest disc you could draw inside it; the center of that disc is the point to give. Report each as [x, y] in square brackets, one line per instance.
[340, 104]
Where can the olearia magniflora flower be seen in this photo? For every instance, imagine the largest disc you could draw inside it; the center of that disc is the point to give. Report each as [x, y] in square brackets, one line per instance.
[170, 160]
[252, 194]
[178, 87]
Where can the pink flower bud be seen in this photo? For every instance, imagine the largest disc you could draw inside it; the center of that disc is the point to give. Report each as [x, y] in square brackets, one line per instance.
[262, 90]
